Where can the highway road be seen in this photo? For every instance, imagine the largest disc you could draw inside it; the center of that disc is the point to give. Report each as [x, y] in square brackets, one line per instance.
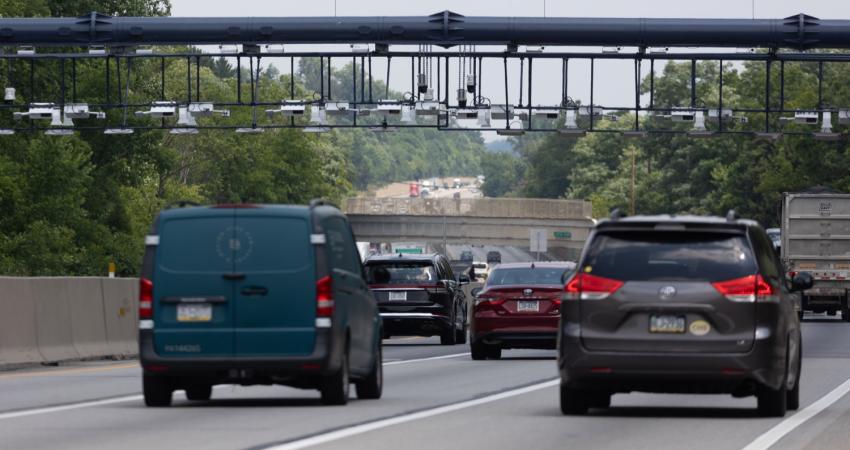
[435, 398]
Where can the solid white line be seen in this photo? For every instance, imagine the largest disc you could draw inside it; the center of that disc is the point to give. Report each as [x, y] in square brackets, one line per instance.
[772, 436]
[378, 424]
[131, 398]
[433, 358]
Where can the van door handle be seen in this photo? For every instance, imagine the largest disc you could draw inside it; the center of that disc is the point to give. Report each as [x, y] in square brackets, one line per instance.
[233, 276]
[254, 290]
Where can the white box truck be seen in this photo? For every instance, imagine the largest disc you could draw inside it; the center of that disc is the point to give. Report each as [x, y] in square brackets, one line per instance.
[816, 239]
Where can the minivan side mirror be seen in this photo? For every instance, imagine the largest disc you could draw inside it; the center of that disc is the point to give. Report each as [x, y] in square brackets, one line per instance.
[802, 281]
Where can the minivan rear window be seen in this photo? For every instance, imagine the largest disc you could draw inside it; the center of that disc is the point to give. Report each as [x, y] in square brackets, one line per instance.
[673, 256]
[526, 275]
[398, 272]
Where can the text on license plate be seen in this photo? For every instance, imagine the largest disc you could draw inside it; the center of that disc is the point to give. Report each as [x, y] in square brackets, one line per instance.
[194, 312]
[666, 324]
[398, 296]
[528, 306]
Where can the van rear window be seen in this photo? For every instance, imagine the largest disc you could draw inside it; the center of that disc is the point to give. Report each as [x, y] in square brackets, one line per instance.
[215, 244]
[673, 256]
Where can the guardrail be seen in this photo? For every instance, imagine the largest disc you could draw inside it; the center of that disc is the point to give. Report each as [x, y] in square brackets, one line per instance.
[64, 318]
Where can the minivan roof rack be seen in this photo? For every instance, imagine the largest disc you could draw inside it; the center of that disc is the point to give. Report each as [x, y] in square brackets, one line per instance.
[321, 202]
[731, 216]
[617, 214]
[181, 204]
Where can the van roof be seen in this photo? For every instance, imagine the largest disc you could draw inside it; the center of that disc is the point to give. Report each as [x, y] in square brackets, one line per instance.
[271, 209]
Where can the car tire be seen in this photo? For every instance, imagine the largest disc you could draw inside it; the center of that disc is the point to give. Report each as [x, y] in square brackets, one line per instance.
[478, 350]
[371, 387]
[448, 335]
[772, 402]
[199, 392]
[460, 335]
[157, 391]
[573, 401]
[845, 314]
[335, 388]
[793, 395]
[801, 313]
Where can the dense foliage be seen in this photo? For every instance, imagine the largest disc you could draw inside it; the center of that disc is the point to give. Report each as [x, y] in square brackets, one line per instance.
[679, 174]
[70, 205]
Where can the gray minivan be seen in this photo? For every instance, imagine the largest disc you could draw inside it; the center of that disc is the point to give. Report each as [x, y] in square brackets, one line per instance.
[256, 294]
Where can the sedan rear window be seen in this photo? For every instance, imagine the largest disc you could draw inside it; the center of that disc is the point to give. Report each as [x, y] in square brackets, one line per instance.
[648, 256]
[526, 275]
[398, 272]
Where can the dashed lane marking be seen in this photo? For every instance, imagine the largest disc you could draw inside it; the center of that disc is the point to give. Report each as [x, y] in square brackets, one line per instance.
[50, 373]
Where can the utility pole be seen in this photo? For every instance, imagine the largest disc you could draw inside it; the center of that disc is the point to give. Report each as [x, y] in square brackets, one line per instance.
[634, 171]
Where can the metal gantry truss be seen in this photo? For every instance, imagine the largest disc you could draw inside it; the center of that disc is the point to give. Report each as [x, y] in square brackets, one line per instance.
[445, 86]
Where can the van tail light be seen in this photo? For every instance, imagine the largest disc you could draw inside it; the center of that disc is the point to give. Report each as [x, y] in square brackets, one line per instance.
[747, 289]
[585, 286]
[324, 297]
[145, 299]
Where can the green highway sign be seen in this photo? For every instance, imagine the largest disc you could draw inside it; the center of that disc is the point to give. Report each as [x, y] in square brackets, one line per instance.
[562, 234]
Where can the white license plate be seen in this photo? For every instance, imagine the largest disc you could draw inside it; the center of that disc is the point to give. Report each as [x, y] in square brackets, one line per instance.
[398, 296]
[527, 306]
[666, 324]
[194, 312]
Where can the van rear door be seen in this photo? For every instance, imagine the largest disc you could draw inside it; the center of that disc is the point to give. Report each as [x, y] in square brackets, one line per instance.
[276, 300]
[193, 309]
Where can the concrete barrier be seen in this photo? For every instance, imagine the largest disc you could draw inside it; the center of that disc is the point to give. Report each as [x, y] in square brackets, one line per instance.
[18, 337]
[53, 319]
[120, 296]
[88, 322]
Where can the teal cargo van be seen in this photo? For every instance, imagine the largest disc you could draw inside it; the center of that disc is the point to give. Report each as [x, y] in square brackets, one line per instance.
[256, 294]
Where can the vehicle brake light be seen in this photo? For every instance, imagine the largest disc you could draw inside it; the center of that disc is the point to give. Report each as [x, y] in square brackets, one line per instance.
[324, 297]
[792, 274]
[145, 299]
[489, 299]
[746, 289]
[585, 286]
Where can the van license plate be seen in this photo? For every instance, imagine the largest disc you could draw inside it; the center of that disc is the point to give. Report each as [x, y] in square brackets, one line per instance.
[528, 306]
[194, 312]
[666, 324]
[396, 296]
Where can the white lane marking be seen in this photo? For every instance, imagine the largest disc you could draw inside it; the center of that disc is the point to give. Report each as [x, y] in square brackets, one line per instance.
[383, 423]
[773, 435]
[433, 358]
[131, 398]
[53, 409]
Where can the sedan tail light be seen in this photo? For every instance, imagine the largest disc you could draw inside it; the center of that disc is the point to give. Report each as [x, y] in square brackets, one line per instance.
[746, 289]
[145, 299]
[489, 300]
[585, 286]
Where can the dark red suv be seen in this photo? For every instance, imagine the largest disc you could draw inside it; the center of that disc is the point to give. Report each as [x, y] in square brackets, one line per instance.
[519, 307]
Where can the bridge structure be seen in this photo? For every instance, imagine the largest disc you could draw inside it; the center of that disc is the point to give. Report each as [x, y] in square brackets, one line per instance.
[488, 221]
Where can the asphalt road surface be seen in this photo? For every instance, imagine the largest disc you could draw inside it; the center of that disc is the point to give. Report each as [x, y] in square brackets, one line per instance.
[435, 398]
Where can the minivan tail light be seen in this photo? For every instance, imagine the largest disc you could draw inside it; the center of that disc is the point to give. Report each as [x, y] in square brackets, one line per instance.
[145, 299]
[324, 297]
[585, 286]
[746, 289]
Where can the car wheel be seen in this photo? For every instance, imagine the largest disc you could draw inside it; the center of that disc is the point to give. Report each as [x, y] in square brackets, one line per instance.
[157, 390]
[573, 401]
[447, 336]
[335, 388]
[199, 392]
[371, 387]
[478, 350]
[800, 315]
[845, 314]
[772, 402]
[460, 335]
[793, 396]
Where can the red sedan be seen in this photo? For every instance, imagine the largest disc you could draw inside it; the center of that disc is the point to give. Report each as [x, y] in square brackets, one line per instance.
[519, 307]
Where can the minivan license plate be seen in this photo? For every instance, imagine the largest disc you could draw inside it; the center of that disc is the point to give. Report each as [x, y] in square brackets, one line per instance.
[666, 324]
[194, 312]
[398, 296]
[528, 306]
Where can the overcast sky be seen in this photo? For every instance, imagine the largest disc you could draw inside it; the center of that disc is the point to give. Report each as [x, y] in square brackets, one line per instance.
[614, 79]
